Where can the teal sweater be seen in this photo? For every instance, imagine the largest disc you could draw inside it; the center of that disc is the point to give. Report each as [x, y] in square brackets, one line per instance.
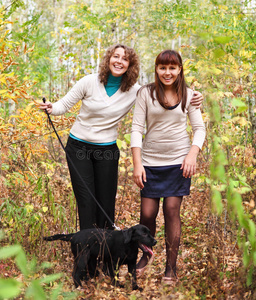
[113, 84]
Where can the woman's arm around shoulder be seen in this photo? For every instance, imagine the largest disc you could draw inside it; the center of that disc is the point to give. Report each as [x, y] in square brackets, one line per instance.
[196, 121]
[197, 99]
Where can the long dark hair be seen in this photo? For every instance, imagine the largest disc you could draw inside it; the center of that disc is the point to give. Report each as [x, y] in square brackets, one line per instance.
[130, 77]
[167, 57]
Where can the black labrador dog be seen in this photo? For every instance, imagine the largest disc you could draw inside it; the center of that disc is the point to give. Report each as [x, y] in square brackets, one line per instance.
[108, 249]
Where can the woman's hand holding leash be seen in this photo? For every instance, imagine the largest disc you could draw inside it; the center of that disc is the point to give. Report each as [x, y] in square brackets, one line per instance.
[46, 106]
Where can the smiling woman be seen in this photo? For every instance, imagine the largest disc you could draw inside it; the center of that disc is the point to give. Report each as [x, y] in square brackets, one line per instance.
[165, 160]
[91, 148]
[129, 78]
[119, 62]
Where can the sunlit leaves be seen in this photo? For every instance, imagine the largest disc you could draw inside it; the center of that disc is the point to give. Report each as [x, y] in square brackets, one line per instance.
[9, 288]
[57, 47]
[222, 39]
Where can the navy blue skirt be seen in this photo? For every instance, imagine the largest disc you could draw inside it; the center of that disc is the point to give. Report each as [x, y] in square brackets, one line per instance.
[166, 181]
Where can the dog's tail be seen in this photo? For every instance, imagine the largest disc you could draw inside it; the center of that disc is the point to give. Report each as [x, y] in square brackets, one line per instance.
[62, 237]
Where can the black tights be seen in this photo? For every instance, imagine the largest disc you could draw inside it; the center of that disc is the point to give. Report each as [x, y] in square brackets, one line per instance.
[171, 210]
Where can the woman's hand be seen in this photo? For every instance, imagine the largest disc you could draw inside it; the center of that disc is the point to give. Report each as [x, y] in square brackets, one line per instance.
[139, 175]
[197, 99]
[46, 106]
[189, 164]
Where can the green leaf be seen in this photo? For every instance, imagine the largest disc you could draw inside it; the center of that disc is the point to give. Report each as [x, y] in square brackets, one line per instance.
[33, 265]
[246, 257]
[50, 278]
[215, 113]
[1, 234]
[222, 39]
[119, 143]
[9, 288]
[208, 180]
[9, 251]
[238, 103]
[219, 53]
[21, 262]
[46, 265]
[217, 198]
[254, 258]
[252, 231]
[249, 276]
[55, 292]
[240, 109]
[242, 179]
[218, 171]
[127, 138]
[35, 291]
[243, 190]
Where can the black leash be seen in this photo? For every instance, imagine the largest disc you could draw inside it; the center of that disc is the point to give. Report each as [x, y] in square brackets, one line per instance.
[73, 165]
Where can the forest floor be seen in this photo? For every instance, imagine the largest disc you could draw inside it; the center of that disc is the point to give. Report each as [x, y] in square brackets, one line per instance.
[209, 262]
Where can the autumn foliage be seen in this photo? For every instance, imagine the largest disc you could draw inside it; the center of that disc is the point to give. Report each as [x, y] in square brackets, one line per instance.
[43, 56]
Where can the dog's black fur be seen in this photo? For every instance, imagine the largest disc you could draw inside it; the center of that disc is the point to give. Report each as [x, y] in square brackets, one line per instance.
[112, 249]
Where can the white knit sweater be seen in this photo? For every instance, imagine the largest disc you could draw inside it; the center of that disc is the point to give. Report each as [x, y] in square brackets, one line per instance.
[99, 115]
[166, 140]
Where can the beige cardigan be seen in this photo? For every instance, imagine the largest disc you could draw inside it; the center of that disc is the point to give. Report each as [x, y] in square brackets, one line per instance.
[99, 115]
[166, 139]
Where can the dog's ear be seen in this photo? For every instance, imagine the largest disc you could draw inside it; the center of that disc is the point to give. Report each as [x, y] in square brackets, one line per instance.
[127, 235]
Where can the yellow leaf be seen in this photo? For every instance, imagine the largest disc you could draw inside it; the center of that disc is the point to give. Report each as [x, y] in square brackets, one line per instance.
[44, 208]
[241, 120]
[3, 91]
[122, 169]
[225, 139]
[29, 208]
[186, 63]
[216, 71]
[228, 94]
[189, 79]
[3, 80]
[206, 117]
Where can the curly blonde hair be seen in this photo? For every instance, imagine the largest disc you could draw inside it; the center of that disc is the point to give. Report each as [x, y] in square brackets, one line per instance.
[130, 77]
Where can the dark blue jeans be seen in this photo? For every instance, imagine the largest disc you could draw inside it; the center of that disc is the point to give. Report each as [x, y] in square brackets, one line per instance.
[98, 166]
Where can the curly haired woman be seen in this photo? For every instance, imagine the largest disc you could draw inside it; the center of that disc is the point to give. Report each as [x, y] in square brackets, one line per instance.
[106, 98]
